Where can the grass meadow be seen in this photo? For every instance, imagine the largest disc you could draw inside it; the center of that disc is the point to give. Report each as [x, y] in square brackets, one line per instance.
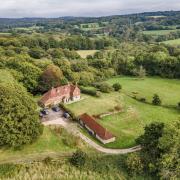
[129, 124]
[85, 53]
[173, 42]
[54, 141]
[97, 167]
[158, 32]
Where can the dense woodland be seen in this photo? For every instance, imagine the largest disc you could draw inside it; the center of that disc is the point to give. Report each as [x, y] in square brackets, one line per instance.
[46, 57]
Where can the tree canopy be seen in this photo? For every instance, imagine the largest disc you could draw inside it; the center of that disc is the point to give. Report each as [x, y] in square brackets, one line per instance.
[19, 120]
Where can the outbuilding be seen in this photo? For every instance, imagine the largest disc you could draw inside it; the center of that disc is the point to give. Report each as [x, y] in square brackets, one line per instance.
[94, 128]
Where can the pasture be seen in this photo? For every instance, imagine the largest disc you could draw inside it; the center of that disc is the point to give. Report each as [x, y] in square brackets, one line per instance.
[158, 32]
[90, 26]
[167, 89]
[85, 53]
[5, 34]
[173, 42]
[129, 124]
[97, 167]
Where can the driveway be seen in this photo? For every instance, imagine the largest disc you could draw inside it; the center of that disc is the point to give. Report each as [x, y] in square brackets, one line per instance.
[56, 118]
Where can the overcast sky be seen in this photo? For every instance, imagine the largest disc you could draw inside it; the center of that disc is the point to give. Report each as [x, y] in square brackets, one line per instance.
[57, 8]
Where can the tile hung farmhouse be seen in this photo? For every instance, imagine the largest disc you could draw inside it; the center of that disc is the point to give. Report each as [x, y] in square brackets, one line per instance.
[65, 94]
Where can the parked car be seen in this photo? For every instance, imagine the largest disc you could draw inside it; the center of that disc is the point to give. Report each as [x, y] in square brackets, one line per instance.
[56, 108]
[41, 114]
[66, 115]
[45, 111]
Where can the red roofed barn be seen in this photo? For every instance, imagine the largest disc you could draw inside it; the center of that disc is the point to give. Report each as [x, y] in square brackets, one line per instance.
[96, 129]
[60, 94]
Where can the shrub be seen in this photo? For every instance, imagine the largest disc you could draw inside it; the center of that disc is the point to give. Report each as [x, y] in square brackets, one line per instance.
[90, 92]
[103, 87]
[117, 86]
[70, 140]
[47, 160]
[78, 158]
[134, 164]
[179, 105]
[142, 99]
[156, 100]
[118, 108]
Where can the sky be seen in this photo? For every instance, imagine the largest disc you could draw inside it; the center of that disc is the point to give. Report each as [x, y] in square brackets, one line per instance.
[59, 8]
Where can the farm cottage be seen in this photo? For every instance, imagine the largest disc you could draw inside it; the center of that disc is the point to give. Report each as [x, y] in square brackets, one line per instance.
[60, 94]
[96, 129]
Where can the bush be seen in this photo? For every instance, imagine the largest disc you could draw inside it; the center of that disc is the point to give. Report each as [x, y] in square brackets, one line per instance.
[78, 158]
[47, 160]
[117, 86]
[156, 100]
[103, 87]
[134, 164]
[179, 105]
[118, 108]
[142, 99]
[90, 92]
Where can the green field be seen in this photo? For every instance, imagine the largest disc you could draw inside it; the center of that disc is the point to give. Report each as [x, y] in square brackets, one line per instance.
[173, 42]
[85, 53]
[50, 143]
[93, 26]
[128, 125]
[156, 17]
[167, 89]
[158, 32]
[5, 34]
[94, 106]
[90, 26]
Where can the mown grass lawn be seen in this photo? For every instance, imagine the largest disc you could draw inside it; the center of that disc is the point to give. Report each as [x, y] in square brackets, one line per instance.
[94, 105]
[128, 125]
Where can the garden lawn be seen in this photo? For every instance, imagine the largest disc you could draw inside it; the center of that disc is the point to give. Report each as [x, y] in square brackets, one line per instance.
[94, 106]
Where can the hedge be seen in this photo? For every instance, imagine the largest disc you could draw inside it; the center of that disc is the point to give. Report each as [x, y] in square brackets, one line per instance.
[90, 92]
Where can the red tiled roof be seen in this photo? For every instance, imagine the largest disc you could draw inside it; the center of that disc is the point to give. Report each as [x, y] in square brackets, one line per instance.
[59, 91]
[96, 127]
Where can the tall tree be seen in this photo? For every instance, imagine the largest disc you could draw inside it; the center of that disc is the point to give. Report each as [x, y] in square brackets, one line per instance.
[169, 163]
[51, 77]
[19, 120]
[149, 142]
